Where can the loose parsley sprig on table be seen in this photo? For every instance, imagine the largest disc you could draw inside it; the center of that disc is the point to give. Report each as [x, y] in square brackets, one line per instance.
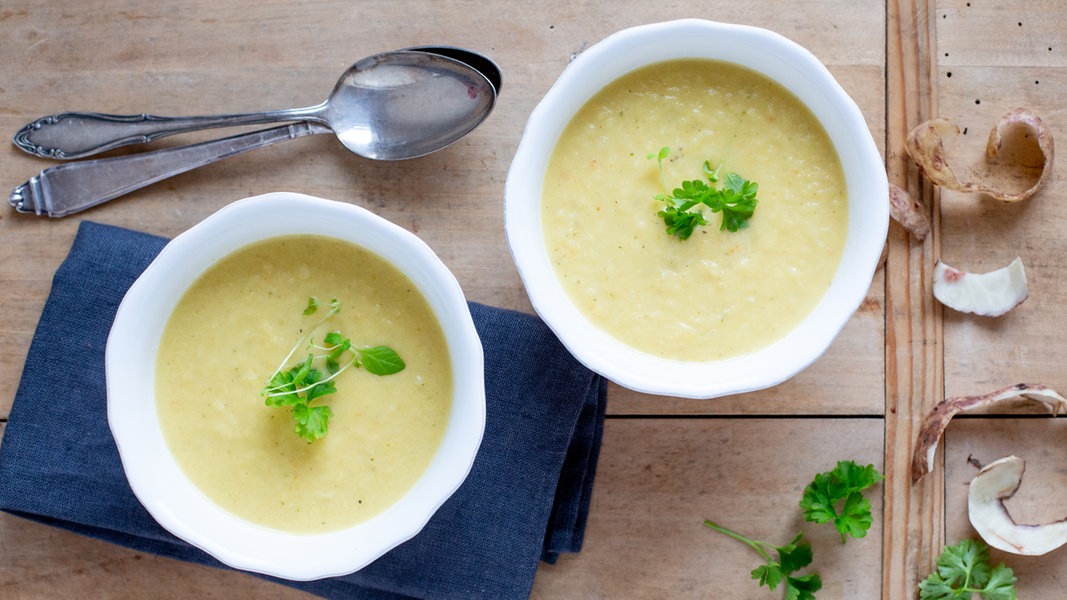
[837, 496]
[780, 569]
[301, 384]
[736, 200]
[964, 570]
[846, 484]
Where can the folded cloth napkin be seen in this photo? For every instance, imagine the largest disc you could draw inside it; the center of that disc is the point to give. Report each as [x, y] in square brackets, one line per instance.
[526, 498]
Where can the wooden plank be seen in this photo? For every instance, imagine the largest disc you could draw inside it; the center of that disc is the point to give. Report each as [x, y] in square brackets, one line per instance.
[44, 562]
[913, 516]
[1000, 34]
[660, 478]
[452, 199]
[203, 57]
[1042, 496]
[979, 354]
[979, 81]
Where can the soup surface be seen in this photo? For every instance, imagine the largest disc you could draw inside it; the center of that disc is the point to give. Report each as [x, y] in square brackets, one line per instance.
[717, 294]
[235, 326]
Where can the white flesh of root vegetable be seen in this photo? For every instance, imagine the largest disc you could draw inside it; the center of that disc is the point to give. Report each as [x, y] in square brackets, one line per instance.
[987, 294]
[995, 483]
[922, 459]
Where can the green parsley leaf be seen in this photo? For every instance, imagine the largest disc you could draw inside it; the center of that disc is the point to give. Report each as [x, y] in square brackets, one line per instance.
[381, 360]
[795, 555]
[337, 345]
[319, 390]
[311, 422]
[736, 200]
[1001, 584]
[301, 384]
[662, 154]
[281, 390]
[837, 496]
[681, 223]
[964, 570]
[780, 569]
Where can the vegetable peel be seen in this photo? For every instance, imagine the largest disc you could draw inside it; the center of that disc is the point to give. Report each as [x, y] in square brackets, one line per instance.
[995, 483]
[989, 294]
[922, 460]
[907, 211]
[925, 145]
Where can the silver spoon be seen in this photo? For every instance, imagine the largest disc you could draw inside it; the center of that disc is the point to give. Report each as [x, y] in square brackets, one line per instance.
[365, 92]
[479, 62]
[397, 105]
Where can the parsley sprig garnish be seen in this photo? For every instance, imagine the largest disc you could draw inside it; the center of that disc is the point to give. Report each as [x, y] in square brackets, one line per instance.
[736, 200]
[780, 568]
[844, 487]
[298, 386]
[964, 570]
[837, 496]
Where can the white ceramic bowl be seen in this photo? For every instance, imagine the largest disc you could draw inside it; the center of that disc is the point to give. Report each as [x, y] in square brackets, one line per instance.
[779, 59]
[156, 478]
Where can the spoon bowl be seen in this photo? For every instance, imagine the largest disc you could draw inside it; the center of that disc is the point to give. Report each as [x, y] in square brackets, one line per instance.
[479, 62]
[405, 104]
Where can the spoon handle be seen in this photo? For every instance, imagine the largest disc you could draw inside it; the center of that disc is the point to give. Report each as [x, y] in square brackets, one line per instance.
[70, 135]
[72, 187]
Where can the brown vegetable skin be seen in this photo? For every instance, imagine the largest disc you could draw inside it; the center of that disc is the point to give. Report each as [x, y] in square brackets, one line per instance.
[926, 146]
[907, 211]
[935, 423]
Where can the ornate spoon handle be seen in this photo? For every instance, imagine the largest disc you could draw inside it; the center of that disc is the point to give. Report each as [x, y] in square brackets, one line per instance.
[79, 134]
[71, 187]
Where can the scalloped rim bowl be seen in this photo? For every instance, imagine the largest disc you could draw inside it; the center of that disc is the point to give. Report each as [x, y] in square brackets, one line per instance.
[760, 50]
[156, 478]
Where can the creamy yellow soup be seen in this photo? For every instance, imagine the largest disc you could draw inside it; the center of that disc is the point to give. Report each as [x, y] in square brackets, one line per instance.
[717, 294]
[234, 327]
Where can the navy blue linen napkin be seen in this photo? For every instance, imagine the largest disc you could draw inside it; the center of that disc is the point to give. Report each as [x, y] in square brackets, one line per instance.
[526, 498]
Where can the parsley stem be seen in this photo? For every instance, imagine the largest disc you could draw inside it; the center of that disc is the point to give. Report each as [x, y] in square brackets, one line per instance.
[302, 384]
[274, 391]
[334, 307]
[758, 546]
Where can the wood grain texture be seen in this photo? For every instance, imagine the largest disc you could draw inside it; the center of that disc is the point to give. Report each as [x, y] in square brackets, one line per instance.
[978, 81]
[985, 61]
[202, 57]
[166, 60]
[666, 463]
[1042, 496]
[659, 479]
[913, 515]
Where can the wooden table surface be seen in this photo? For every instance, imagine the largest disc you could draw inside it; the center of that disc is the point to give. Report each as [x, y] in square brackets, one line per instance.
[666, 464]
